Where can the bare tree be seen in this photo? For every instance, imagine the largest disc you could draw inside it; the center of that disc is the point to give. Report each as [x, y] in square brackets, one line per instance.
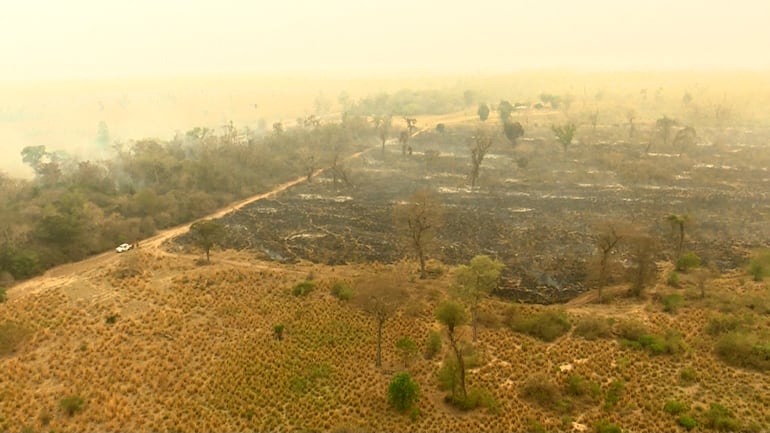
[380, 296]
[643, 270]
[664, 125]
[383, 125]
[481, 144]
[419, 218]
[630, 117]
[678, 224]
[607, 238]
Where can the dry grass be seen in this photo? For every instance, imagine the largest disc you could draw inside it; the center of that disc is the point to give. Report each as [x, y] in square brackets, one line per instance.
[204, 335]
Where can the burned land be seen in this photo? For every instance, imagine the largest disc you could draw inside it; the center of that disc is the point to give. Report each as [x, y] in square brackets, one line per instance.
[535, 207]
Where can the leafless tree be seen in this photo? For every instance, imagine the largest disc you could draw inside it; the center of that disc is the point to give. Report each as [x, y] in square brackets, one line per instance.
[482, 142]
[419, 219]
[380, 295]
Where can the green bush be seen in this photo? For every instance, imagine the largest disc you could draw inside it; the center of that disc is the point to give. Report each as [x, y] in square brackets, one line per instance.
[72, 404]
[547, 325]
[3, 294]
[675, 407]
[298, 384]
[403, 392]
[593, 328]
[673, 279]
[613, 393]
[672, 302]
[687, 375]
[635, 335]
[476, 398]
[723, 323]
[407, 350]
[341, 290]
[631, 330]
[744, 350]
[687, 422]
[689, 260]
[579, 386]
[759, 264]
[541, 390]
[303, 288]
[604, 426]
[278, 331]
[721, 418]
[432, 344]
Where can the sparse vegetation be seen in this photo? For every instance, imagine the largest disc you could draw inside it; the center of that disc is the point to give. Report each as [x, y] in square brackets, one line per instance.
[72, 404]
[341, 290]
[593, 328]
[547, 325]
[759, 264]
[303, 288]
[432, 344]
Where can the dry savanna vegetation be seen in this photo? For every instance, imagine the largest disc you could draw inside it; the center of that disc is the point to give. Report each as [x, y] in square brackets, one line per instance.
[442, 261]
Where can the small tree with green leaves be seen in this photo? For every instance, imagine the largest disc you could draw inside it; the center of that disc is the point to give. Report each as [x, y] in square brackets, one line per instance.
[512, 131]
[206, 234]
[403, 392]
[564, 134]
[72, 404]
[407, 350]
[476, 281]
[452, 315]
[483, 112]
[759, 264]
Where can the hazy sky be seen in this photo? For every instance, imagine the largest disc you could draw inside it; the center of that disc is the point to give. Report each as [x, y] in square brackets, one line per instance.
[108, 38]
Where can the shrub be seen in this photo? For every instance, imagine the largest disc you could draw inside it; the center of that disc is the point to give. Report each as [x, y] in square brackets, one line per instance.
[72, 404]
[542, 391]
[613, 393]
[303, 288]
[579, 386]
[278, 331]
[631, 330]
[720, 418]
[687, 422]
[604, 426]
[759, 264]
[744, 350]
[671, 303]
[673, 279]
[403, 392]
[723, 323]
[341, 290]
[11, 334]
[547, 325]
[407, 350]
[675, 407]
[298, 384]
[689, 260]
[687, 375]
[476, 398]
[3, 294]
[111, 319]
[592, 328]
[432, 344]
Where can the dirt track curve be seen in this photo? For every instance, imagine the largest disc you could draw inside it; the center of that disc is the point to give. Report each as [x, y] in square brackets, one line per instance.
[63, 274]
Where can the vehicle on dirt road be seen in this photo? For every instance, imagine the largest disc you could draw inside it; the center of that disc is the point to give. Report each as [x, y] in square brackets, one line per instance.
[123, 248]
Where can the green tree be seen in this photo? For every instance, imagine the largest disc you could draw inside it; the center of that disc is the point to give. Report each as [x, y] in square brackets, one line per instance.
[643, 270]
[452, 315]
[685, 138]
[419, 219]
[513, 130]
[476, 281]
[206, 234]
[403, 392]
[483, 112]
[407, 350]
[564, 133]
[504, 109]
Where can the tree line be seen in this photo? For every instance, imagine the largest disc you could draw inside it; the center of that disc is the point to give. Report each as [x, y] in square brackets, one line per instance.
[77, 207]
